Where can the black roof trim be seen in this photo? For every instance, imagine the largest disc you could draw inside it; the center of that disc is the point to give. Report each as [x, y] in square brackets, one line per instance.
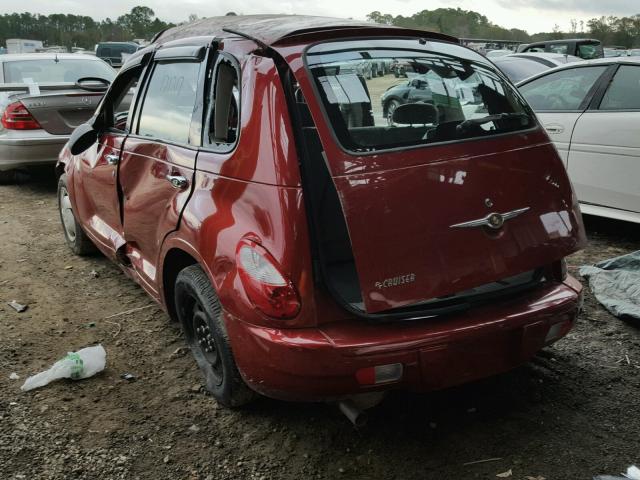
[267, 30]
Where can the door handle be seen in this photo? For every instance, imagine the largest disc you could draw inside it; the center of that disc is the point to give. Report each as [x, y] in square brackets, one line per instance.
[112, 159]
[554, 128]
[177, 181]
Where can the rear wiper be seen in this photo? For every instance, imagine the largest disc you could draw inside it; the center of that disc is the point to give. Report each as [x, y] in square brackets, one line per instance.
[463, 126]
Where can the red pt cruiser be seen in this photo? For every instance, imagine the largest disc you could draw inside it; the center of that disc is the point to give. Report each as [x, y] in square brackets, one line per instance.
[244, 172]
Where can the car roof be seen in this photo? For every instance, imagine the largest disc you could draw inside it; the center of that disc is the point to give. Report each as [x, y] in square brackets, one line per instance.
[566, 40]
[270, 29]
[9, 57]
[585, 63]
[557, 58]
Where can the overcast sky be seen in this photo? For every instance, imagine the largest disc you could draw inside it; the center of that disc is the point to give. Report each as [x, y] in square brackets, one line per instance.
[530, 15]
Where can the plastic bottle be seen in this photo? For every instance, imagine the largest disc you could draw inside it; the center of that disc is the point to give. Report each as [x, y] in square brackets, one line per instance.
[76, 365]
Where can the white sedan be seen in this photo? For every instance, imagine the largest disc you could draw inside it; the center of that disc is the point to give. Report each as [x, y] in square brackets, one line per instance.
[591, 111]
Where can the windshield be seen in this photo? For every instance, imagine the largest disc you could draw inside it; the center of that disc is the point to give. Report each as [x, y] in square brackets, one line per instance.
[55, 70]
[387, 94]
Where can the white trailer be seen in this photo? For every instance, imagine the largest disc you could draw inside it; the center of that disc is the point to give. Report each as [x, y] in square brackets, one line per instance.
[20, 45]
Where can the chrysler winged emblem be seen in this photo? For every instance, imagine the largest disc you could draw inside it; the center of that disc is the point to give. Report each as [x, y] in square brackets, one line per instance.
[494, 220]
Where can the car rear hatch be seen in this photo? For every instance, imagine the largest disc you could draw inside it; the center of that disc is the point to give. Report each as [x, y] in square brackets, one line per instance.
[435, 206]
[59, 113]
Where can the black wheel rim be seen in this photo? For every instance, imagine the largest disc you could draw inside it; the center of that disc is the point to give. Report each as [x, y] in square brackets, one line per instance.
[204, 341]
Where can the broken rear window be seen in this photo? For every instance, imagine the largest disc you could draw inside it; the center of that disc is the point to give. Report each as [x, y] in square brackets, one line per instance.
[384, 94]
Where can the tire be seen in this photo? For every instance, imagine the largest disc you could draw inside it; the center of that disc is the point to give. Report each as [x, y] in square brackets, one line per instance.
[391, 106]
[200, 313]
[76, 239]
[14, 177]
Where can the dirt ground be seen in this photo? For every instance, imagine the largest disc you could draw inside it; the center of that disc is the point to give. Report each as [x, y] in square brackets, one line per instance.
[569, 414]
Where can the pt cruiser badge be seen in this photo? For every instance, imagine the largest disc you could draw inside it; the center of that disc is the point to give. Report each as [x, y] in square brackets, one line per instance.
[494, 221]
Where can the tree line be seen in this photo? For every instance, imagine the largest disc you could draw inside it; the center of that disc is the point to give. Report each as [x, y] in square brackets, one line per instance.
[79, 30]
[619, 31]
[141, 23]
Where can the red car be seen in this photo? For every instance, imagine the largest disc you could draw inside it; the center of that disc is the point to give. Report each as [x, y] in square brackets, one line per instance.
[310, 249]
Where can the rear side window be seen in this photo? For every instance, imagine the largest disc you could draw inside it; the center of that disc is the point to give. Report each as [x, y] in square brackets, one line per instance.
[222, 124]
[564, 90]
[411, 93]
[169, 102]
[561, 48]
[624, 90]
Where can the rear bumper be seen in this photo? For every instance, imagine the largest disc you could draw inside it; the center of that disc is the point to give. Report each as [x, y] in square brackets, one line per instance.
[320, 363]
[25, 151]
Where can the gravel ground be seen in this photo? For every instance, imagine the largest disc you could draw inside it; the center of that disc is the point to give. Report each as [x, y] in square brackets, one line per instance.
[569, 414]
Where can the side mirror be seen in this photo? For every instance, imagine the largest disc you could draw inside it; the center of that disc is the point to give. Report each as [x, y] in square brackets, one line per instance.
[82, 138]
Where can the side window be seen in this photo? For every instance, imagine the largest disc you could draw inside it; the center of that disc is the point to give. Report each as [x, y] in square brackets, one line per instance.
[169, 101]
[561, 48]
[563, 90]
[624, 91]
[223, 120]
[119, 104]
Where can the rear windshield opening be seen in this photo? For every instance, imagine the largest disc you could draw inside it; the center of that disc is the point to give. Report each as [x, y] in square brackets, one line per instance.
[380, 98]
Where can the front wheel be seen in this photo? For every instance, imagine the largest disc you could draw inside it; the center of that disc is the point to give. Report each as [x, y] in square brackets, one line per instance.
[77, 240]
[200, 313]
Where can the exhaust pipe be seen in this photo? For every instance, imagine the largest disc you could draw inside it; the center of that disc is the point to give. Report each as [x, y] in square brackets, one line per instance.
[355, 415]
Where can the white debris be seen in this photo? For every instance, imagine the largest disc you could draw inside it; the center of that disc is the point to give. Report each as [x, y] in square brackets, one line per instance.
[76, 365]
[14, 376]
[633, 472]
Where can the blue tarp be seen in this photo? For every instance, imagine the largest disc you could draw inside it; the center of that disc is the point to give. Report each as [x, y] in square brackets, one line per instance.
[616, 284]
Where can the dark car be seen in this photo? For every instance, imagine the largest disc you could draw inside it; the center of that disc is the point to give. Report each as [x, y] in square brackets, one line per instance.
[310, 250]
[519, 66]
[112, 52]
[585, 48]
[414, 90]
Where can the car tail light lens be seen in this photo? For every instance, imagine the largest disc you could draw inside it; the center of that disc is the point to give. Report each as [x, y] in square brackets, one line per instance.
[17, 117]
[559, 270]
[266, 286]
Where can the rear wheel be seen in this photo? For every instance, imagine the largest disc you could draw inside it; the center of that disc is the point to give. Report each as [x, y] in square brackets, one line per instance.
[77, 240]
[200, 313]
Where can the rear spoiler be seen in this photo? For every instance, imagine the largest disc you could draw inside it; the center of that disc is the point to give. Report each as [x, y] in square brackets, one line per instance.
[35, 88]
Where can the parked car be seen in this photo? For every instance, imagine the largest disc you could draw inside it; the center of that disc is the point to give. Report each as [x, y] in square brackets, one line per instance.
[42, 99]
[634, 52]
[310, 250]
[115, 52]
[519, 66]
[591, 111]
[421, 88]
[585, 48]
[615, 52]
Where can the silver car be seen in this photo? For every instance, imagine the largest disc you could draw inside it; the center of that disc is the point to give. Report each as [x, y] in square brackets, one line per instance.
[43, 97]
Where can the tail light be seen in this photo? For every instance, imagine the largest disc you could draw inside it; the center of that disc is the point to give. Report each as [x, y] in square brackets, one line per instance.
[558, 270]
[266, 286]
[17, 117]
